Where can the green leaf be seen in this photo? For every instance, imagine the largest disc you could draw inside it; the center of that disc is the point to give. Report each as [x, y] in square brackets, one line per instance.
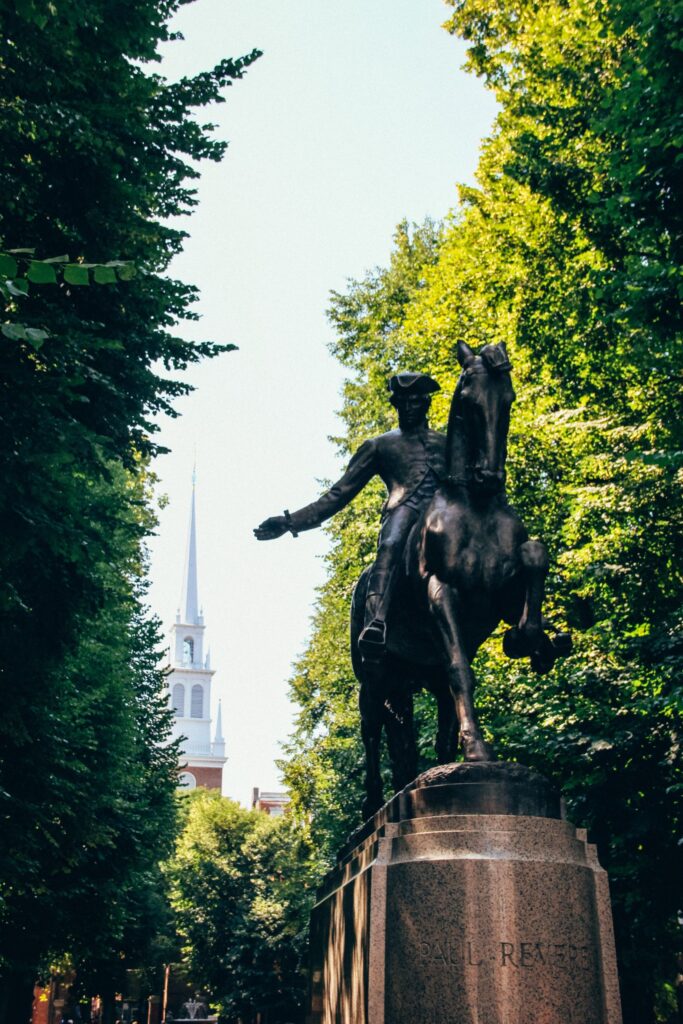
[36, 336]
[127, 272]
[8, 265]
[15, 332]
[41, 273]
[105, 275]
[74, 273]
[18, 287]
[22, 252]
[56, 259]
[27, 9]
[19, 332]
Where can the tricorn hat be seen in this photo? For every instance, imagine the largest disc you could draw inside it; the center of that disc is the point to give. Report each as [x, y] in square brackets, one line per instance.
[412, 384]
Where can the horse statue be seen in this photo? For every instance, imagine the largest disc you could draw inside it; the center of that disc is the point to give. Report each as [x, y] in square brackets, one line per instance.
[469, 564]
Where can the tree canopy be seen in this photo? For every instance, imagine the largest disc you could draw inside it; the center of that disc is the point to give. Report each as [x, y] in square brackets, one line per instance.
[568, 250]
[100, 152]
[241, 885]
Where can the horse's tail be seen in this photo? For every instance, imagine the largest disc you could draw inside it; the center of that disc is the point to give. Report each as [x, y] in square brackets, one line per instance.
[358, 619]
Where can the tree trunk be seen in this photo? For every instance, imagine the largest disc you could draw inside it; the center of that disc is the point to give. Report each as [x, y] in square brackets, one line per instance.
[108, 1007]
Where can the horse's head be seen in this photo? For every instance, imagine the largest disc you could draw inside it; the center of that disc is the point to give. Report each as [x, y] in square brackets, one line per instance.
[480, 418]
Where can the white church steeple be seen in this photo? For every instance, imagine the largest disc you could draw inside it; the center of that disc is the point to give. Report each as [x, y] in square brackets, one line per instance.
[189, 681]
[189, 603]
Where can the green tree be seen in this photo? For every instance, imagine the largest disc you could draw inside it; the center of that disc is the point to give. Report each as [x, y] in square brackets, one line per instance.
[99, 153]
[540, 256]
[89, 816]
[241, 885]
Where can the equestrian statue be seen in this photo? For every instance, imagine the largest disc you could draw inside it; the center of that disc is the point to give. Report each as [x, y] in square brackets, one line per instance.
[453, 561]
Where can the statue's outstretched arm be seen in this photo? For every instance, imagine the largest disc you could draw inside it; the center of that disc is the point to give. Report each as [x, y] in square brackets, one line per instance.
[361, 469]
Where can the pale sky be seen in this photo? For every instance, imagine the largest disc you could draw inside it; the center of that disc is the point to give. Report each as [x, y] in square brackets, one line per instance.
[356, 116]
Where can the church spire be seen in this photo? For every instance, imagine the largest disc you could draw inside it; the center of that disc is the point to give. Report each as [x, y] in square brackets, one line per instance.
[218, 745]
[189, 681]
[189, 601]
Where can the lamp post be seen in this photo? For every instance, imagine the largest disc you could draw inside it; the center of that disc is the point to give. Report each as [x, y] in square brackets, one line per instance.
[164, 1001]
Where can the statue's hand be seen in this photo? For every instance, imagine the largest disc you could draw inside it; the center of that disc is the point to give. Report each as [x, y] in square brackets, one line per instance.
[271, 528]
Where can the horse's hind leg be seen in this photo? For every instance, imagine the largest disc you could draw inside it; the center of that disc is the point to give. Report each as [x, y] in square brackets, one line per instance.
[401, 737]
[444, 605]
[371, 703]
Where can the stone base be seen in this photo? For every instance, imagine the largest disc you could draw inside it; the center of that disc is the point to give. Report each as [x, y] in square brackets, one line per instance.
[466, 900]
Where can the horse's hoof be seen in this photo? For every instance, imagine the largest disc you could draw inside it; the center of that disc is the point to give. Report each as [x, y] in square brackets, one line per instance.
[563, 644]
[520, 642]
[514, 645]
[474, 748]
[543, 661]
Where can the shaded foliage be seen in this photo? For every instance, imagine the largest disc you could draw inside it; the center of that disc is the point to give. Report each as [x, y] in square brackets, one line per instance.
[99, 153]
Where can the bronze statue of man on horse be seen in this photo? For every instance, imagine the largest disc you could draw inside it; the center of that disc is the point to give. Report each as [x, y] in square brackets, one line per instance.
[453, 561]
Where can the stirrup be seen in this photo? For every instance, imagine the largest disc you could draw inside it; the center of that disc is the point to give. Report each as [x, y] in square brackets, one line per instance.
[373, 639]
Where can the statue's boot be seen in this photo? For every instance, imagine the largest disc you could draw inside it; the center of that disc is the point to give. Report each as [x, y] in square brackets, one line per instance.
[372, 641]
[563, 644]
[396, 527]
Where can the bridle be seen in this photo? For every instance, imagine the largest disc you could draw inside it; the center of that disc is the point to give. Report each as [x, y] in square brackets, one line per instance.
[471, 371]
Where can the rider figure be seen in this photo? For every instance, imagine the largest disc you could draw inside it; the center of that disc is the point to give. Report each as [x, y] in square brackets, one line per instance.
[411, 462]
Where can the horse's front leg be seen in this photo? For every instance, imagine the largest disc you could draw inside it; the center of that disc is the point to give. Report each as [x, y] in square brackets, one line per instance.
[445, 607]
[447, 725]
[534, 556]
[528, 637]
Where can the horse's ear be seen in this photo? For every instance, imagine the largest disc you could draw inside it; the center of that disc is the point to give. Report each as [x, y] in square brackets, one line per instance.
[464, 352]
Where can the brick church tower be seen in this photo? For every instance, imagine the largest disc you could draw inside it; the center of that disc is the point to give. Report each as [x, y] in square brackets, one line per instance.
[189, 682]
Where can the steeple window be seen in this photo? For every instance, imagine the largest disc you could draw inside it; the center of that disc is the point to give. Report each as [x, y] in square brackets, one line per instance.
[188, 650]
[197, 707]
[179, 700]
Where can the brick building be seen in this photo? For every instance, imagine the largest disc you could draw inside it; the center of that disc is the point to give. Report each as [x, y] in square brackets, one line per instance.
[271, 803]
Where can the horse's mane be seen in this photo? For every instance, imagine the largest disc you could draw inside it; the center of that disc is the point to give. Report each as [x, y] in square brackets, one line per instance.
[454, 430]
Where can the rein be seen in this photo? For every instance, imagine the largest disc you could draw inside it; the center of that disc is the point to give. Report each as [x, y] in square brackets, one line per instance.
[466, 481]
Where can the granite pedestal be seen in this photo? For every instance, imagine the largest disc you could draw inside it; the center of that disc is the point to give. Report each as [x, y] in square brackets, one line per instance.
[466, 900]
